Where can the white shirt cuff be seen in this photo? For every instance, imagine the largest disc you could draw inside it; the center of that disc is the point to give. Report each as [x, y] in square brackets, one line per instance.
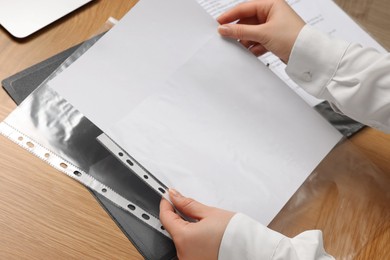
[314, 60]
[244, 238]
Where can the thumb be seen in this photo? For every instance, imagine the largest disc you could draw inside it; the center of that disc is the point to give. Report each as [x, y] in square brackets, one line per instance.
[188, 206]
[242, 32]
[171, 221]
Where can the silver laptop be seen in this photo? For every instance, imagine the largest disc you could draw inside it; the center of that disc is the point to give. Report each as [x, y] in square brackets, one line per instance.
[21, 18]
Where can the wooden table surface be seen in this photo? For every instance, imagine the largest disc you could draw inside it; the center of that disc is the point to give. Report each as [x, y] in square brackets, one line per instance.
[46, 215]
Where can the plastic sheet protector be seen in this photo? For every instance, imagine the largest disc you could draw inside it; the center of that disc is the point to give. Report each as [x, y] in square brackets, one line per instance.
[199, 112]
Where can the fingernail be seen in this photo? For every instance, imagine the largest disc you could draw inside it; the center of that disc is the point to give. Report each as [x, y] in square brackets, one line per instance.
[224, 30]
[175, 193]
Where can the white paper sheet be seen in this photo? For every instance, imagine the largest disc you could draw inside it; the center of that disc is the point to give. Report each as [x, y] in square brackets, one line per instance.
[133, 58]
[198, 111]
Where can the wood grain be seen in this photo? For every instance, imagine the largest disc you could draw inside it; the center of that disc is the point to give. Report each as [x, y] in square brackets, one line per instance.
[46, 215]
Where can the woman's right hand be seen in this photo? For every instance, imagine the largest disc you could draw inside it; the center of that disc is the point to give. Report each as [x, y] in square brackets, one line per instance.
[263, 25]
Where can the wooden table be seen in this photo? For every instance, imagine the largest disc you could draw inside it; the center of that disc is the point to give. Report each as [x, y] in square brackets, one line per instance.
[46, 215]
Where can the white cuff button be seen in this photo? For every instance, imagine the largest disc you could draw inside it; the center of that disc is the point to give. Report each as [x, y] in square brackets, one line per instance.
[306, 76]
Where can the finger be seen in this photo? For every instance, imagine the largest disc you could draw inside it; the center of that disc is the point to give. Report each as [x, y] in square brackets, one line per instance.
[258, 50]
[172, 222]
[253, 21]
[245, 10]
[250, 20]
[248, 44]
[242, 32]
[188, 206]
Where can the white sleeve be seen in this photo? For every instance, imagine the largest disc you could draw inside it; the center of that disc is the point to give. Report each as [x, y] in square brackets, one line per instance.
[245, 239]
[355, 80]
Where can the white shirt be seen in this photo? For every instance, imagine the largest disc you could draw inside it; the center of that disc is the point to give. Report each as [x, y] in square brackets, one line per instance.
[356, 81]
[244, 238]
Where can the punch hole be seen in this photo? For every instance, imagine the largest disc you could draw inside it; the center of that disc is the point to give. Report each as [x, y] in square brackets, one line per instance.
[120, 154]
[146, 177]
[161, 190]
[131, 207]
[47, 155]
[162, 228]
[20, 138]
[30, 144]
[145, 216]
[129, 162]
[64, 165]
[77, 173]
[104, 190]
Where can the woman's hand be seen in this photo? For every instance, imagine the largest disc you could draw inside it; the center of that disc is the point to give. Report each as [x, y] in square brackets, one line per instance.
[263, 25]
[194, 240]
